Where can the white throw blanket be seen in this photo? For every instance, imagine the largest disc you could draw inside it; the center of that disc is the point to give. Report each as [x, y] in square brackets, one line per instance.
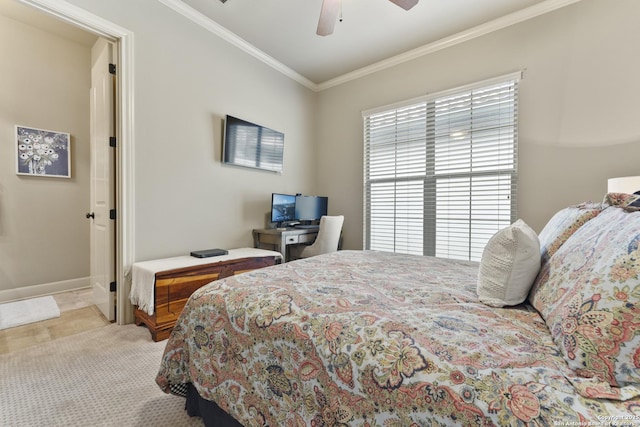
[144, 273]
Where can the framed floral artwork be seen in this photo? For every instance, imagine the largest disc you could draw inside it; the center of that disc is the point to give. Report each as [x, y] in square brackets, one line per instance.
[41, 152]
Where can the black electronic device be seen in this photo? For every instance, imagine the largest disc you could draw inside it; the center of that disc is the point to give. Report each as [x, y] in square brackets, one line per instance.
[311, 208]
[209, 253]
[307, 226]
[250, 145]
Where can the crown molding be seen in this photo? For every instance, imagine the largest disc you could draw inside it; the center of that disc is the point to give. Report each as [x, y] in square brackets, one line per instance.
[217, 29]
[461, 37]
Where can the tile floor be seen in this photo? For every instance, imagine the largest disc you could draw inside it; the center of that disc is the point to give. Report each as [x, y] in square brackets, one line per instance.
[77, 314]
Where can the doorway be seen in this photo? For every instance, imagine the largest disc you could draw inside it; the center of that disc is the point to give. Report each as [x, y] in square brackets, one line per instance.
[122, 40]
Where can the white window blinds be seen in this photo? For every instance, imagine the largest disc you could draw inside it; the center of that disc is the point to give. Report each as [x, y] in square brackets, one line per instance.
[440, 172]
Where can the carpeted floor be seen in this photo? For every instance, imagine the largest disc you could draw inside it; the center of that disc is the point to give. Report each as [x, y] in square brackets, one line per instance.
[103, 377]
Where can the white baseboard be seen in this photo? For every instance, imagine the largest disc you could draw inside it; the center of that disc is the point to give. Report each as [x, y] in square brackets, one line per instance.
[44, 289]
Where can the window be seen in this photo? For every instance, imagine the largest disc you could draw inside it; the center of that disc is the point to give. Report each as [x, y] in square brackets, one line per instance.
[440, 172]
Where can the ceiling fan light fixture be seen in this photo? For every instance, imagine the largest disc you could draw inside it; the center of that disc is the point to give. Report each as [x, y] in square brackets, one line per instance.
[328, 17]
[331, 8]
[405, 4]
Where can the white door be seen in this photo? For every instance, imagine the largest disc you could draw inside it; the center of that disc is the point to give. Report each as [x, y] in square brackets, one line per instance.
[102, 179]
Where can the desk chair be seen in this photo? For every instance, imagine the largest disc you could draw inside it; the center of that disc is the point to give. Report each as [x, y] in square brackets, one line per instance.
[328, 237]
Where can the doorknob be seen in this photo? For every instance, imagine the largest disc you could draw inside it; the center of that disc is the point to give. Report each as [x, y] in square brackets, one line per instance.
[91, 215]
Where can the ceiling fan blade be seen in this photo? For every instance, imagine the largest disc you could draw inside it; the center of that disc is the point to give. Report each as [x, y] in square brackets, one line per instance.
[328, 17]
[405, 4]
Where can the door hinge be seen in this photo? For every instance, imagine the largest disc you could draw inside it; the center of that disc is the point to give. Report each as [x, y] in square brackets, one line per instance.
[112, 214]
[112, 287]
[112, 68]
[112, 141]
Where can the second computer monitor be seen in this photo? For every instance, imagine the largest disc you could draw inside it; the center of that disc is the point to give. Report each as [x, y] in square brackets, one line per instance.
[310, 208]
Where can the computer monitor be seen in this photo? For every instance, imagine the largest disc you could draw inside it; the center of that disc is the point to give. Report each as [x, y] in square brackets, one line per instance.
[310, 208]
[283, 207]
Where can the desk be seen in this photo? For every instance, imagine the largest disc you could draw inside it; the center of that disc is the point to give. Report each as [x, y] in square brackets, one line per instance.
[279, 239]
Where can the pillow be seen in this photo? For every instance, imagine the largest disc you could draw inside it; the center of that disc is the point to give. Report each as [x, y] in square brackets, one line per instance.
[589, 296]
[622, 200]
[509, 265]
[563, 224]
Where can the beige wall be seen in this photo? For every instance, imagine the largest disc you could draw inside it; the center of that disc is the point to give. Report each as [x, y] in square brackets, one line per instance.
[45, 80]
[577, 126]
[578, 107]
[186, 80]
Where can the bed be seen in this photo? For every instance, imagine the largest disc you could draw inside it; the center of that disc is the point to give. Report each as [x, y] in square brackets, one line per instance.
[365, 338]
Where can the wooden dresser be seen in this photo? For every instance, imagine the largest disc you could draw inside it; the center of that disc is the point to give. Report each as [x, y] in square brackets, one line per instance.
[173, 287]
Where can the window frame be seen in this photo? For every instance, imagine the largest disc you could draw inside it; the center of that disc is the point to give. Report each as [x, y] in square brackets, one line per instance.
[429, 178]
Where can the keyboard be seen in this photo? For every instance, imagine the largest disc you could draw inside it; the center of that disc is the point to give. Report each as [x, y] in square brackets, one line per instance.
[307, 226]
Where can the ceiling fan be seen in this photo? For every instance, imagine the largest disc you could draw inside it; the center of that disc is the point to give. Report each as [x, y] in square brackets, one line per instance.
[331, 8]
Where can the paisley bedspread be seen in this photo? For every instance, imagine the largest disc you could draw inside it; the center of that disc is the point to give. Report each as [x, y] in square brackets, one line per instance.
[359, 338]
